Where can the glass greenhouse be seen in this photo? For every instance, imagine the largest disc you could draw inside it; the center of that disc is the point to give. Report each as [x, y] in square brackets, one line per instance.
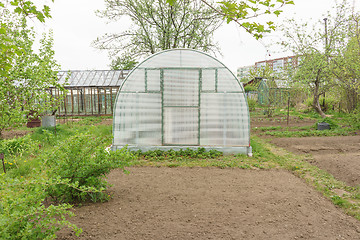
[273, 92]
[89, 92]
[181, 98]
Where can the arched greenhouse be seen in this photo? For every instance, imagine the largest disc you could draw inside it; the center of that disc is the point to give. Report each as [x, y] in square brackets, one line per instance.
[181, 98]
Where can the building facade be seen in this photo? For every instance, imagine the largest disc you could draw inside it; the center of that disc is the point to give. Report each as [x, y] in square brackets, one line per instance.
[278, 65]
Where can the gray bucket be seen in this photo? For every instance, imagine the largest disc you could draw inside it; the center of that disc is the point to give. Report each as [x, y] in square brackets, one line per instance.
[323, 126]
[48, 121]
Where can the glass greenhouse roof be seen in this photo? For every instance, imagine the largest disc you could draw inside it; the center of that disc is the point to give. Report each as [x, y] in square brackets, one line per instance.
[92, 78]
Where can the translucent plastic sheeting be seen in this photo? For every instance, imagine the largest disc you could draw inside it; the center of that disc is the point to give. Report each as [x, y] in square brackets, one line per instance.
[181, 97]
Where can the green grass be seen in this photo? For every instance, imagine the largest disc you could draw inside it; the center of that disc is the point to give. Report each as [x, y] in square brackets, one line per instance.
[312, 133]
[199, 158]
[26, 163]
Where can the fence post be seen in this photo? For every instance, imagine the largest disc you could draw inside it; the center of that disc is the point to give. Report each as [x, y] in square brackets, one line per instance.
[288, 112]
[2, 159]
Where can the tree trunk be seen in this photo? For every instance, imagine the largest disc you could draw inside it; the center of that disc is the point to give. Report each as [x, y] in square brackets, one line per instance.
[316, 103]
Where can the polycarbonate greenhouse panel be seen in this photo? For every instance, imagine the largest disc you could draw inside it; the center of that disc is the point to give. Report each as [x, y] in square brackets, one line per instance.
[181, 98]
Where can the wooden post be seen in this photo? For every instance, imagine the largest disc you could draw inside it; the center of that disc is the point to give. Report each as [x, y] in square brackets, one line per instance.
[72, 102]
[105, 96]
[98, 98]
[2, 159]
[91, 102]
[78, 100]
[288, 113]
[65, 103]
[111, 100]
[84, 99]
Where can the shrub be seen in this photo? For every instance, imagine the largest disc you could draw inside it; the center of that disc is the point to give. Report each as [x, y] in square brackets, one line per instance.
[18, 146]
[250, 88]
[23, 214]
[354, 120]
[330, 103]
[15, 148]
[82, 162]
[181, 155]
[252, 104]
[331, 122]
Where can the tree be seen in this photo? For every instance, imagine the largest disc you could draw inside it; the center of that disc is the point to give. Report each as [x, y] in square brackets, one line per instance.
[24, 74]
[123, 63]
[159, 26]
[346, 64]
[315, 70]
[241, 12]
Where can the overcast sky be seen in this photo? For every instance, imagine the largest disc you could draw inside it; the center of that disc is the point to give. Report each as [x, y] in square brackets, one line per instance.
[75, 26]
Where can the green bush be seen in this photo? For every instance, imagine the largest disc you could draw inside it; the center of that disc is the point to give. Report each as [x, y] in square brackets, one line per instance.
[250, 88]
[82, 162]
[252, 104]
[330, 103]
[14, 149]
[331, 122]
[23, 214]
[181, 155]
[18, 146]
[354, 120]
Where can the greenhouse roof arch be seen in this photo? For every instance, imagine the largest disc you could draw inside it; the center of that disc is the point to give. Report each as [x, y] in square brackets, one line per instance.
[181, 98]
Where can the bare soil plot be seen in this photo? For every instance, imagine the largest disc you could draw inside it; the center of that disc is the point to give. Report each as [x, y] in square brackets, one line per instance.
[212, 203]
[9, 134]
[263, 121]
[339, 155]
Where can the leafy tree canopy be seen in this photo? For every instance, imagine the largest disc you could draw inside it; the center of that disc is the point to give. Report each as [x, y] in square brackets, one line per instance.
[242, 11]
[157, 26]
[25, 74]
[323, 49]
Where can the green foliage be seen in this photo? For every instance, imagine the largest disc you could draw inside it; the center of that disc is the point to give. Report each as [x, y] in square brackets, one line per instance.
[26, 210]
[250, 88]
[14, 149]
[252, 104]
[339, 201]
[25, 73]
[179, 155]
[157, 26]
[123, 63]
[331, 122]
[28, 9]
[328, 103]
[354, 120]
[23, 214]
[330, 68]
[18, 146]
[82, 162]
[241, 12]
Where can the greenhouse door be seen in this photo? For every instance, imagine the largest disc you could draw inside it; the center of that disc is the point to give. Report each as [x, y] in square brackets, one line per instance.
[180, 106]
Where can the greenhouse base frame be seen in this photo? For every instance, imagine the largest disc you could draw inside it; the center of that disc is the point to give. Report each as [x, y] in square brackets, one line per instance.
[225, 150]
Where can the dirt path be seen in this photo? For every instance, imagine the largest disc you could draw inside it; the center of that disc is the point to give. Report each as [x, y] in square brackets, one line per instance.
[340, 155]
[212, 203]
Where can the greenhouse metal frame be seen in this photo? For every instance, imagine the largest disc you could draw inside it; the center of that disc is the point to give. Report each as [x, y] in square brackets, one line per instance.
[89, 92]
[181, 98]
